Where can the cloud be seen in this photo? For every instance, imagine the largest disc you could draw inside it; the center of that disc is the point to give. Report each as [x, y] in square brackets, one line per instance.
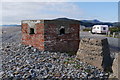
[0, 13]
[60, 0]
[36, 0]
[14, 12]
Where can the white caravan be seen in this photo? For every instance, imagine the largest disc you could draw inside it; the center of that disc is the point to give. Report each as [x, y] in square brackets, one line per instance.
[100, 29]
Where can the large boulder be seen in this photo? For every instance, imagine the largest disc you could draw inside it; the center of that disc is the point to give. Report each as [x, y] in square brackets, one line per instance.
[95, 51]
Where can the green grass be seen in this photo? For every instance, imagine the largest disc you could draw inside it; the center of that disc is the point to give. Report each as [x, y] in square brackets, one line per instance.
[114, 29]
[87, 70]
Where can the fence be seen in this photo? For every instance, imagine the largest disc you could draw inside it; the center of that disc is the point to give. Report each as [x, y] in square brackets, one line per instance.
[114, 34]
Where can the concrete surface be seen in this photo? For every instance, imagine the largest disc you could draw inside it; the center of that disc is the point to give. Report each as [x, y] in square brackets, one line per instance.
[113, 42]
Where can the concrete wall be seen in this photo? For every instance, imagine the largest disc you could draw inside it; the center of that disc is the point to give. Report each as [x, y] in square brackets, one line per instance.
[95, 51]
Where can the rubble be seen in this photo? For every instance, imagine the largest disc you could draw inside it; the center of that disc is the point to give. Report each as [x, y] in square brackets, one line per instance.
[25, 62]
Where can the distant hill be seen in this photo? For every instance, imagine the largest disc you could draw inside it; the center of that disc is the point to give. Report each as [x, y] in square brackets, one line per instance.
[64, 19]
[91, 21]
[88, 23]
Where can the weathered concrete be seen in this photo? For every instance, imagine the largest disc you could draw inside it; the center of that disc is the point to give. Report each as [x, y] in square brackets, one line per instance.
[47, 37]
[119, 65]
[116, 67]
[95, 51]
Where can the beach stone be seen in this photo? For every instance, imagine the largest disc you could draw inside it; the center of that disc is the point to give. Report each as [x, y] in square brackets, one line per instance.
[34, 50]
[101, 74]
[8, 46]
[94, 51]
[1, 73]
[27, 64]
[57, 75]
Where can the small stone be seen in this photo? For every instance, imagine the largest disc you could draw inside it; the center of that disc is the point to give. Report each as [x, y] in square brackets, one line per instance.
[49, 65]
[101, 74]
[57, 75]
[18, 76]
[16, 72]
[84, 74]
[1, 73]
[27, 62]
[7, 46]
[106, 74]
[24, 76]
[27, 69]
[28, 47]
[17, 68]
[46, 76]
[33, 75]
[34, 50]
[11, 75]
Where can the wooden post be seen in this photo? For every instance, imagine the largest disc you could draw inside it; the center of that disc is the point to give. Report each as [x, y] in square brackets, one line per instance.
[108, 33]
[113, 34]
